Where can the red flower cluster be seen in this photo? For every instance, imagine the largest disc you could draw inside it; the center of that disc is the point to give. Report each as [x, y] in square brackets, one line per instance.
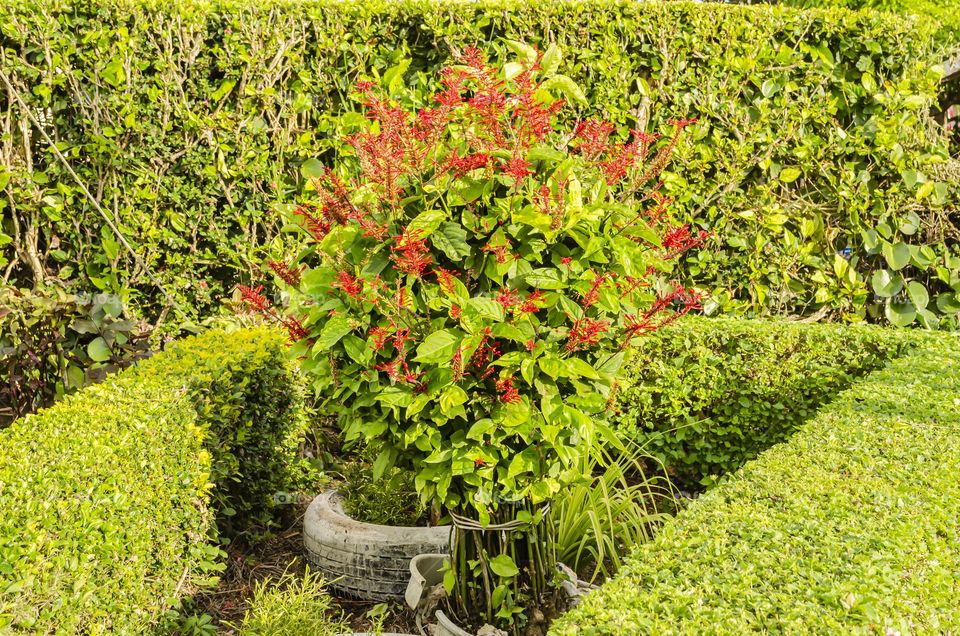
[461, 166]
[445, 278]
[593, 137]
[680, 239]
[532, 303]
[500, 252]
[289, 275]
[508, 393]
[318, 226]
[585, 332]
[590, 298]
[554, 207]
[509, 298]
[349, 284]
[411, 256]
[666, 309]
[254, 299]
[487, 351]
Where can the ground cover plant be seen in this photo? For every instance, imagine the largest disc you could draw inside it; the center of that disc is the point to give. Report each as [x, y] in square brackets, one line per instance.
[707, 394]
[848, 527]
[292, 606]
[473, 281]
[812, 128]
[112, 497]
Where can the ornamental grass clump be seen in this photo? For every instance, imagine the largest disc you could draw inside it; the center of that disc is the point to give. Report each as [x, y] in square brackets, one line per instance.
[473, 282]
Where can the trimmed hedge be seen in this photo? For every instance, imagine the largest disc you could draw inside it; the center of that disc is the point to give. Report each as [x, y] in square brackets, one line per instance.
[705, 395]
[192, 119]
[106, 496]
[941, 12]
[850, 527]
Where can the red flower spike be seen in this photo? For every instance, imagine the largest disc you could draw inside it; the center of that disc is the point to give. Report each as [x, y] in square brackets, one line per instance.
[287, 274]
[379, 335]
[679, 240]
[518, 168]
[349, 284]
[500, 252]
[508, 298]
[254, 299]
[531, 303]
[295, 328]
[456, 365]
[590, 298]
[585, 332]
[508, 393]
[411, 256]
[683, 123]
[593, 137]
[445, 278]
[317, 226]
[461, 166]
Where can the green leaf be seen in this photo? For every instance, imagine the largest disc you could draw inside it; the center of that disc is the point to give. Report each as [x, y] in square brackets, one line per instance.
[554, 367]
[918, 294]
[581, 368]
[336, 328]
[425, 223]
[400, 396]
[522, 50]
[789, 175]
[896, 254]
[886, 283]
[948, 303]
[98, 350]
[567, 87]
[512, 69]
[356, 348]
[452, 397]
[545, 278]
[452, 241]
[503, 565]
[311, 169]
[439, 346]
[487, 308]
[550, 61]
[225, 87]
[900, 314]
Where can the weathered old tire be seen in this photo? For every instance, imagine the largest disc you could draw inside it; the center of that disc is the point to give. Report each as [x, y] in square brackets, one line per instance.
[364, 560]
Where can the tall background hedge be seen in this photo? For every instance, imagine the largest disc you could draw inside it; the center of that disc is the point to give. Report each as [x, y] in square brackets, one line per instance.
[190, 121]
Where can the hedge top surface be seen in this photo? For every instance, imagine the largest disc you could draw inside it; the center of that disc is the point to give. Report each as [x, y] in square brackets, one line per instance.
[849, 527]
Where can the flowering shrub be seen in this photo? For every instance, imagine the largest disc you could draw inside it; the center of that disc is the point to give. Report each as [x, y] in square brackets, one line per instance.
[475, 279]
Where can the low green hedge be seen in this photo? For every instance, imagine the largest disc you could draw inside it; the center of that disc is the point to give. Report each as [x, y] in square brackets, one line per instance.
[850, 527]
[705, 395]
[106, 497]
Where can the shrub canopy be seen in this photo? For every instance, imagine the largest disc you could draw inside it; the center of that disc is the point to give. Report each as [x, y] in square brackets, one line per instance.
[190, 121]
